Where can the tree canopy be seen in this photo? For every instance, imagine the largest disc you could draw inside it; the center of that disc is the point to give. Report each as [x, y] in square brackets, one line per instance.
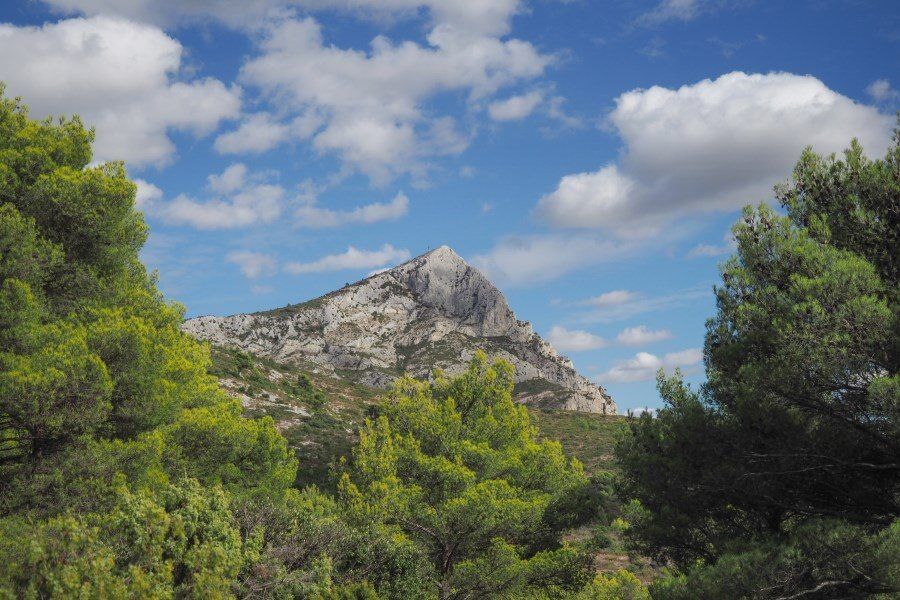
[781, 474]
[456, 466]
[119, 456]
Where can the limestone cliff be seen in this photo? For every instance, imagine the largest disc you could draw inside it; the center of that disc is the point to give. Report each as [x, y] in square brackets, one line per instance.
[433, 311]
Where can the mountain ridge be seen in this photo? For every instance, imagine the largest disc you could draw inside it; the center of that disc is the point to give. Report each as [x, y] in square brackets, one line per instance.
[432, 311]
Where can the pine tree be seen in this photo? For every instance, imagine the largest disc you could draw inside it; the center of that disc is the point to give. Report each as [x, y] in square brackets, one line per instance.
[780, 476]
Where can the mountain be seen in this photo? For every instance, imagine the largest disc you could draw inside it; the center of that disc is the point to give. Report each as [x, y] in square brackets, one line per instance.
[433, 311]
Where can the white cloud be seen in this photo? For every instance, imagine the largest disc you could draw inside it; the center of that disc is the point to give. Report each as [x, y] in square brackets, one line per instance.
[122, 77]
[882, 92]
[372, 103]
[711, 146]
[640, 368]
[727, 246]
[312, 216]
[239, 199]
[536, 259]
[515, 107]
[641, 335]
[684, 358]
[230, 180]
[366, 107]
[589, 199]
[613, 298]
[256, 133]
[258, 204]
[351, 259]
[147, 195]
[566, 340]
[643, 366]
[253, 264]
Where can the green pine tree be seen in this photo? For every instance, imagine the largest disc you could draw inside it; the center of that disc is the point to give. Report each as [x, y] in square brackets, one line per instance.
[780, 476]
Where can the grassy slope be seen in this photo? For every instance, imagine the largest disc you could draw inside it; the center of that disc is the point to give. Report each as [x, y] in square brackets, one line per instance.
[324, 433]
[328, 432]
[588, 437]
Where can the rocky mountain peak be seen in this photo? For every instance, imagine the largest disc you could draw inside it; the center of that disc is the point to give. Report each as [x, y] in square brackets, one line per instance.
[442, 280]
[433, 311]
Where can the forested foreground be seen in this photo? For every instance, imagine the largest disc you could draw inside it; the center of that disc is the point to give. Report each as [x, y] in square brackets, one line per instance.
[126, 472]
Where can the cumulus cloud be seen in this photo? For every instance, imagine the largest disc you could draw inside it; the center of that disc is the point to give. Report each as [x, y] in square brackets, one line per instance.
[257, 204]
[643, 366]
[124, 78]
[641, 335]
[594, 199]
[684, 358]
[567, 340]
[230, 180]
[714, 145]
[315, 217]
[351, 259]
[520, 261]
[256, 133]
[368, 108]
[372, 102]
[515, 107]
[253, 264]
[238, 199]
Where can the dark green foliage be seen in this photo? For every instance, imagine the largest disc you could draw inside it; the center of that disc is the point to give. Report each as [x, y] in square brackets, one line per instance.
[781, 474]
[304, 390]
[304, 546]
[819, 559]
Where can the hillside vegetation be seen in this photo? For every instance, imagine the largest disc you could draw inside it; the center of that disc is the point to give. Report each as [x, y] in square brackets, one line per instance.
[135, 465]
[320, 414]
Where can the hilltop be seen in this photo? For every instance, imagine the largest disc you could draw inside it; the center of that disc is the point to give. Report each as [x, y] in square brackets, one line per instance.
[433, 311]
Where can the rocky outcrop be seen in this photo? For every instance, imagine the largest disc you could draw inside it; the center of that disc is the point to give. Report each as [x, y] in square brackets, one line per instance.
[432, 312]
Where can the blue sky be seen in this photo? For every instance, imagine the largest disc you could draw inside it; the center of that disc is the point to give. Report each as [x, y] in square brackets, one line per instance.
[589, 157]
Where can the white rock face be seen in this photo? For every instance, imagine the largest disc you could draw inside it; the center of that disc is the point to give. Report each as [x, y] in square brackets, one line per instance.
[434, 311]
